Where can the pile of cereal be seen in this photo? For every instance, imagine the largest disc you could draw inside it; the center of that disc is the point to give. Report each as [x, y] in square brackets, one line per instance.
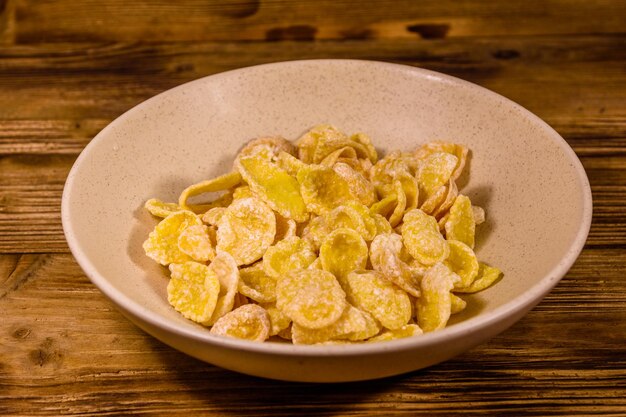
[322, 242]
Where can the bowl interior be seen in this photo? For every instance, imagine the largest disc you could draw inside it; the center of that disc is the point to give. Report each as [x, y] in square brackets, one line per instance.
[529, 181]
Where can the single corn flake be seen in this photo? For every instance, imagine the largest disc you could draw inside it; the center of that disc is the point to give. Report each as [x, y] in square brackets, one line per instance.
[455, 149]
[461, 224]
[452, 191]
[407, 330]
[342, 252]
[162, 243]
[273, 145]
[386, 302]
[221, 183]
[256, 284]
[213, 215]
[352, 322]
[387, 256]
[243, 191]
[288, 254]
[161, 209]
[249, 322]
[311, 298]
[463, 262]
[434, 306]
[225, 268]
[435, 200]
[246, 230]
[279, 321]
[289, 163]
[382, 224]
[422, 239]
[487, 275]
[193, 291]
[274, 186]
[457, 304]
[195, 241]
[360, 187]
[435, 171]
[322, 189]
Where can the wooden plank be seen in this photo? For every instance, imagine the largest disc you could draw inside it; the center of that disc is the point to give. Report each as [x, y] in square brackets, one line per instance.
[30, 202]
[102, 81]
[64, 349]
[192, 20]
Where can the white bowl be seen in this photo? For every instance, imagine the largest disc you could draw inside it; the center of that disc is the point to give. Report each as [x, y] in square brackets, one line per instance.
[530, 182]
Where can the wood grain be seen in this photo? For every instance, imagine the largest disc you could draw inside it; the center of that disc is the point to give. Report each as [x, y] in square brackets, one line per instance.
[68, 68]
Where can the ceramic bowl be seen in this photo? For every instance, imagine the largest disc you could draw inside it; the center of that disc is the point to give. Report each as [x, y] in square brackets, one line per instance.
[533, 187]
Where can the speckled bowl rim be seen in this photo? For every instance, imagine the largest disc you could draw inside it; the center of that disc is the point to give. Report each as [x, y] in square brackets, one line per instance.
[484, 320]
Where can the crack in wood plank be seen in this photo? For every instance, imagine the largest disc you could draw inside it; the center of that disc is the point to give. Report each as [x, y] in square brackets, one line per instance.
[17, 278]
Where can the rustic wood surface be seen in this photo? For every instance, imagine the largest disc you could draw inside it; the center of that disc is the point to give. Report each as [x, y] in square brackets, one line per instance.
[67, 68]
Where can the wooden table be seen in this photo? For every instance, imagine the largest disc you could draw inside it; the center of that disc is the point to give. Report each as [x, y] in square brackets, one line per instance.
[67, 68]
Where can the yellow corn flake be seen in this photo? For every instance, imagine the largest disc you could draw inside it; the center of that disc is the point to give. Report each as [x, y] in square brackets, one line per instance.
[435, 171]
[225, 268]
[410, 189]
[213, 215]
[274, 186]
[422, 239]
[452, 192]
[221, 183]
[386, 256]
[249, 322]
[344, 153]
[386, 302]
[487, 275]
[195, 241]
[270, 146]
[287, 255]
[322, 189]
[479, 214]
[463, 262]
[311, 298]
[457, 304]
[256, 284]
[359, 185]
[279, 321]
[242, 191]
[398, 212]
[407, 330]
[455, 149]
[435, 200]
[461, 225]
[342, 252]
[289, 163]
[193, 291]
[434, 306]
[161, 209]
[246, 230]
[162, 243]
[382, 224]
[351, 323]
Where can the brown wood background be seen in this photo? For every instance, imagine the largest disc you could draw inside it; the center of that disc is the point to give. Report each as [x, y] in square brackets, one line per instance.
[67, 68]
